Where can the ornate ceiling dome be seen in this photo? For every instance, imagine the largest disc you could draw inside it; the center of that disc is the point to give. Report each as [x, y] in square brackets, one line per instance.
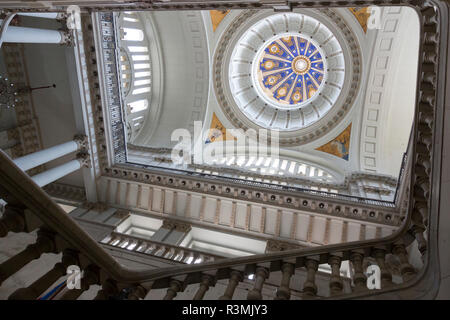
[293, 72]
[289, 71]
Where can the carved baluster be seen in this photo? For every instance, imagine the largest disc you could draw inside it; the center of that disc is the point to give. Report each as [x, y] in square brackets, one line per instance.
[179, 255]
[309, 287]
[386, 276]
[44, 243]
[175, 286]
[188, 256]
[43, 283]
[359, 279]
[136, 243]
[142, 247]
[418, 231]
[207, 281]
[260, 277]
[407, 271]
[284, 292]
[12, 220]
[114, 239]
[235, 278]
[90, 277]
[109, 288]
[139, 292]
[170, 253]
[122, 242]
[152, 249]
[165, 252]
[336, 285]
[196, 257]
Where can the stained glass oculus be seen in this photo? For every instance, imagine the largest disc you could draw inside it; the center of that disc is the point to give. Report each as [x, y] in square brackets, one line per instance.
[290, 70]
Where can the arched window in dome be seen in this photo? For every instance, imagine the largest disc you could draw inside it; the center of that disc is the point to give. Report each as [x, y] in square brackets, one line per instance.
[138, 48]
[268, 169]
[135, 68]
[132, 34]
[139, 105]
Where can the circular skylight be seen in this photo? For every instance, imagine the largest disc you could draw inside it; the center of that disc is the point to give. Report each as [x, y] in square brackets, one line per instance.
[289, 71]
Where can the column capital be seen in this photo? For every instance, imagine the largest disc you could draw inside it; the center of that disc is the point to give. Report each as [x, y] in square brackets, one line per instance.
[66, 37]
[82, 141]
[84, 159]
[62, 17]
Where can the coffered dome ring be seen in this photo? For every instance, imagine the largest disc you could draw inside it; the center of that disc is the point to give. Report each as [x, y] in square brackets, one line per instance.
[240, 91]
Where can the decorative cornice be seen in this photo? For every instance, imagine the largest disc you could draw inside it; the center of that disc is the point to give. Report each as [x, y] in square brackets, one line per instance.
[290, 198]
[276, 245]
[161, 150]
[291, 179]
[176, 225]
[66, 192]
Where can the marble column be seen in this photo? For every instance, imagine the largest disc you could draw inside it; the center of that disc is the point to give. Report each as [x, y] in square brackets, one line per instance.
[33, 35]
[53, 174]
[45, 15]
[38, 158]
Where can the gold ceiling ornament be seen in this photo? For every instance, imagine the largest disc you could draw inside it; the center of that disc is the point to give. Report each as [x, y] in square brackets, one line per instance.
[339, 146]
[362, 15]
[217, 16]
[217, 131]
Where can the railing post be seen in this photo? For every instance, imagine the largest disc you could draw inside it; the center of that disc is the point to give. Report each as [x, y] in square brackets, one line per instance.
[109, 288]
[44, 243]
[284, 292]
[12, 220]
[207, 281]
[138, 292]
[309, 287]
[43, 283]
[359, 279]
[418, 231]
[235, 278]
[407, 270]
[142, 247]
[175, 286]
[336, 285]
[386, 276]
[261, 275]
